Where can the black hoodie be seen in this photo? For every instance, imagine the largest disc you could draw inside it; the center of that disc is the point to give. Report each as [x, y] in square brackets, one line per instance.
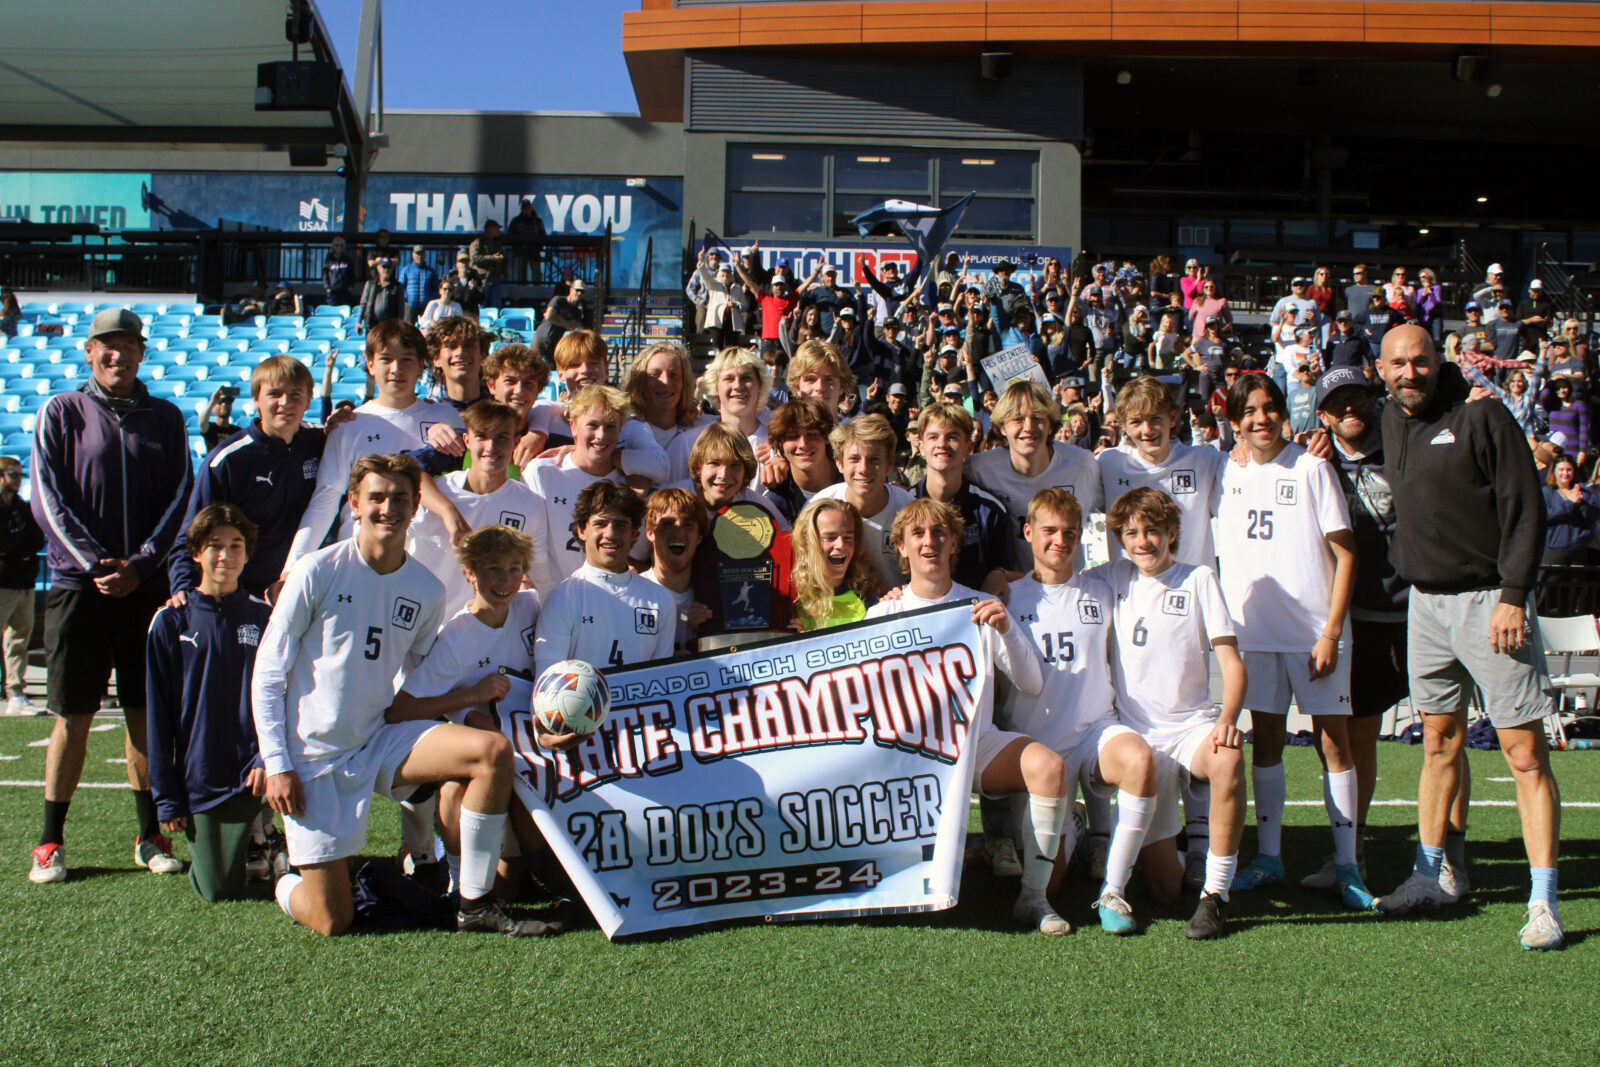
[1468, 512]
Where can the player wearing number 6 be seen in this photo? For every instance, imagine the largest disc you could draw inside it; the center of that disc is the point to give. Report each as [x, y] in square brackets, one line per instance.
[926, 536]
[349, 618]
[1288, 563]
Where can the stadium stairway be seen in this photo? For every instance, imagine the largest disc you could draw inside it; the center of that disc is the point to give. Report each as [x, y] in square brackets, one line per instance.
[663, 320]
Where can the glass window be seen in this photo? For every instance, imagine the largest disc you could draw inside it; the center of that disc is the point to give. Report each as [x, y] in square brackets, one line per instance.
[775, 168]
[873, 170]
[995, 217]
[983, 171]
[758, 213]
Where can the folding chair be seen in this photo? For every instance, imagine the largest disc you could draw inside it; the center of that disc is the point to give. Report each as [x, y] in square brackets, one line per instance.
[1578, 635]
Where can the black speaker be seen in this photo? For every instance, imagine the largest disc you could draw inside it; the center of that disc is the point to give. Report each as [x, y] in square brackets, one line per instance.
[996, 66]
[302, 85]
[308, 155]
[1472, 68]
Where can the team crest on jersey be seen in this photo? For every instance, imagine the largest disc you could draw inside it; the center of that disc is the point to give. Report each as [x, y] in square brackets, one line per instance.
[249, 634]
[308, 469]
[405, 613]
[512, 519]
[644, 621]
[1176, 602]
[1182, 482]
[1089, 612]
[1286, 492]
[527, 639]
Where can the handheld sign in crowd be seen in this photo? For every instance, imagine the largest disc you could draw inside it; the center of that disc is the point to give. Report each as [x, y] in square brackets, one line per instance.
[821, 775]
[1014, 364]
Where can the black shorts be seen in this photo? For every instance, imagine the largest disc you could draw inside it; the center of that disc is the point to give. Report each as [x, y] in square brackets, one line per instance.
[1378, 679]
[86, 633]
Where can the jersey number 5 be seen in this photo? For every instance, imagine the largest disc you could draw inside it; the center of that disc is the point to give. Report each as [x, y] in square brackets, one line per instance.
[1260, 528]
[374, 642]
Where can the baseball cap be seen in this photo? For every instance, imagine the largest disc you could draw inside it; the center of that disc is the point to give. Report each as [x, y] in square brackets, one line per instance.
[462, 257]
[1495, 268]
[577, 283]
[1472, 305]
[948, 348]
[1050, 316]
[1339, 378]
[1345, 316]
[953, 390]
[1004, 265]
[946, 306]
[1505, 303]
[781, 280]
[1213, 320]
[1297, 281]
[1191, 263]
[115, 320]
[1558, 342]
[418, 248]
[847, 313]
[897, 389]
[1536, 284]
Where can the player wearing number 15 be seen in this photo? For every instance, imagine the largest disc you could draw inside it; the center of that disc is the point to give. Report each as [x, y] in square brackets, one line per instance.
[1288, 563]
[605, 614]
[347, 621]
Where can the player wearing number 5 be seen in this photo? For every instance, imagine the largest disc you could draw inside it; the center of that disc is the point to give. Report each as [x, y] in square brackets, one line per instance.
[605, 614]
[1288, 563]
[926, 536]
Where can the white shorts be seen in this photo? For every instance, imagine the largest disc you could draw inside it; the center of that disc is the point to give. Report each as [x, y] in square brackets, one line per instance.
[1084, 756]
[1273, 677]
[333, 824]
[991, 742]
[1175, 748]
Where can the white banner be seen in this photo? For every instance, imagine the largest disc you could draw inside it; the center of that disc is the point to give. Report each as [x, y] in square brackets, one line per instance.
[826, 774]
[1014, 364]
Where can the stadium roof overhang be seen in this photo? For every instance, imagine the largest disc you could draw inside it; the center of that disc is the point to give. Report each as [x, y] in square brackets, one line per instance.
[178, 72]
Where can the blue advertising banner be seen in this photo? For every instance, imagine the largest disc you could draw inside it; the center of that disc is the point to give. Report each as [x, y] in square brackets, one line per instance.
[847, 260]
[822, 775]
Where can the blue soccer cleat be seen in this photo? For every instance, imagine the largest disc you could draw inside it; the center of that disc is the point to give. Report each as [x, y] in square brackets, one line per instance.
[1263, 871]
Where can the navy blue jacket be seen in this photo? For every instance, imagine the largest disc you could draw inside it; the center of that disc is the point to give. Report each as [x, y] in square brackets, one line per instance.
[989, 538]
[110, 478]
[270, 481]
[197, 694]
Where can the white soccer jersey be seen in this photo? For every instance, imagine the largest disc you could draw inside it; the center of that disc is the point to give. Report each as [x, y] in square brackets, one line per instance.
[468, 650]
[1275, 563]
[681, 602]
[677, 441]
[880, 545]
[1013, 655]
[513, 505]
[605, 619]
[376, 430]
[1071, 468]
[1070, 627]
[339, 635]
[1164, 626]
[1191, 476]
[557, 552]
[641, 456]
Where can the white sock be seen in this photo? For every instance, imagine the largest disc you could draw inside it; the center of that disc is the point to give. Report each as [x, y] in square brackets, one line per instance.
[1197, 816]
[284, 890]
[1133, 822]
[453, 861]
[1041, 836]
[1270, 789]
[416, 828]
[1339, 797]
[480, 851]
[1219, 873]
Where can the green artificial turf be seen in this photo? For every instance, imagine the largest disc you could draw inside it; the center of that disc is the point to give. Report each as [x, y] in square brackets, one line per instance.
[121, 966]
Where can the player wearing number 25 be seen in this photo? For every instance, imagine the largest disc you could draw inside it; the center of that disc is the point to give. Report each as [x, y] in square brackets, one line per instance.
[1288, 565]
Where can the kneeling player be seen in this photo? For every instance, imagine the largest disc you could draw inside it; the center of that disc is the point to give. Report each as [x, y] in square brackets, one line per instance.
[926, 534]
[1068, 618]
[1166, 613]
[349, 617]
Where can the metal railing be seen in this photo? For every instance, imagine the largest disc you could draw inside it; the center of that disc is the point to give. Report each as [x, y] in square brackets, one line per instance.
[1564, 291]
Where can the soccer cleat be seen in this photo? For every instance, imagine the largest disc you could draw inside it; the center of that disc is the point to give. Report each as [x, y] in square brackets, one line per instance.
[1263, 871]
[277, 857]
[155, 853]
[1414, 892]
[1194, 872]
[1096, 851]
[1116, 916]
[48, 865]
[486, 916]
[1327, 876]
[1002, 854]
[1353, 888]
[1035, 910]
[1543, 930]
[1207, 922]
[1453, 882]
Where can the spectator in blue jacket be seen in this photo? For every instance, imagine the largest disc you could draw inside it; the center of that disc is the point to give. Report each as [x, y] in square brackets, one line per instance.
[1571, 510]
[420, 282]
[205, 768]
[110, 479]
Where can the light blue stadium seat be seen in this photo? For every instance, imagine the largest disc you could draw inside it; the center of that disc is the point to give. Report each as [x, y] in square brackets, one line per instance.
[356, 374]
[62, 341]
[520, 323]
[146, 308]
[188, 344]
[56, 373]
[12, 371]
[324, 333]
[276, 346]
[75, 307]
[15, 422]
[176, 329]
[188, 372]
[167, 389]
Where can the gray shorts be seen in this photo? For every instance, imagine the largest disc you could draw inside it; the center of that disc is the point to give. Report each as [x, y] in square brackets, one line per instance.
[1448, 651]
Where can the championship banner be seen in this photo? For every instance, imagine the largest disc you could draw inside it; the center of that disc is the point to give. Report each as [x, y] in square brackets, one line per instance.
[1014, 364]
[822, 775]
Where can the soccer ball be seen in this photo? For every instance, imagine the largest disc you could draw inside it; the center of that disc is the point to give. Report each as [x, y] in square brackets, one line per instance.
[571, 697]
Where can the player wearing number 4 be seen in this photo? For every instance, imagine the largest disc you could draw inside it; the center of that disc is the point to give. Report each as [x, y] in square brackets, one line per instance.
[1166, 615]
[926, 535]
[1288, 562]
[350, 617]
[1068, 618]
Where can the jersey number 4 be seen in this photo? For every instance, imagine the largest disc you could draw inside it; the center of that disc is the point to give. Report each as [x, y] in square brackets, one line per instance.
[1260, 528]
[615, 659]
[1063, 647]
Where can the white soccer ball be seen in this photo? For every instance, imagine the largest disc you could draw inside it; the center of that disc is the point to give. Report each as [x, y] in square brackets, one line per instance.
[571, 697]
